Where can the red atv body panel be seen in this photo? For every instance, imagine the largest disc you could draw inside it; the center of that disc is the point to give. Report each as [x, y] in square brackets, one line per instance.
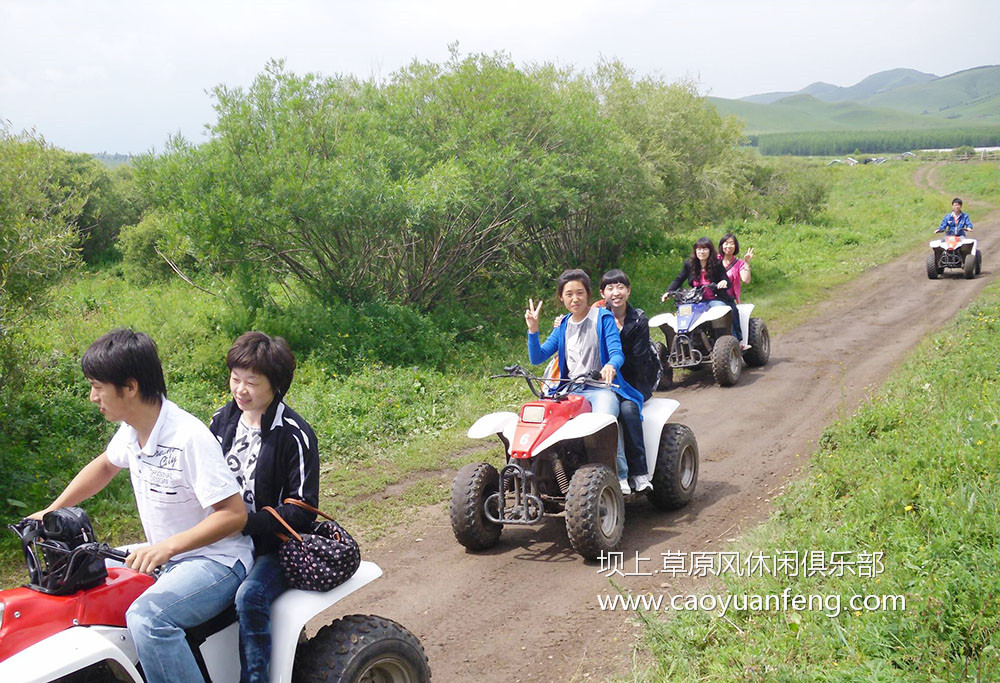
[544, 418]
[40, 615]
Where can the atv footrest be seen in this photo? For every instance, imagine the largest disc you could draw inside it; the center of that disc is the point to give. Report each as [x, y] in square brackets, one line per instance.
[683, 354]
[527, 506]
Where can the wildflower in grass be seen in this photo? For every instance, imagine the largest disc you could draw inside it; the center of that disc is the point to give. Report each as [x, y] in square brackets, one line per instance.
[908, 508]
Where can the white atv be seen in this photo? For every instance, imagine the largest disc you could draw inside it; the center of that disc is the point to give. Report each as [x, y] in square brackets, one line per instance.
[68, 623]
[954, 251]
[699, 334]
[560, 461]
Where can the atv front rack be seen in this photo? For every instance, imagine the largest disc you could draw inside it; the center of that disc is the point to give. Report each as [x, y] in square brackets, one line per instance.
[527, 508]
[683, 354]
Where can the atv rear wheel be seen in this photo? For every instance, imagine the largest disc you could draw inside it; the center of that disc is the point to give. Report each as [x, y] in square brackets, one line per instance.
[676, 473]
[473, 484]
[760, 343]
[362, 648]
[595, 511]
[969, 266]
[666, 377]
[727, 361]
[932, 266]
[979, 262]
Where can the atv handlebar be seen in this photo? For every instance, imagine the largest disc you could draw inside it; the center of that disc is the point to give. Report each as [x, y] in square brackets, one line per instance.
[564, 386]
[689, 296]
[31, 532]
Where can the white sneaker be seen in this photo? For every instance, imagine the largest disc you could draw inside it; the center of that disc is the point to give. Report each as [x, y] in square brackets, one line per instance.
[642, 483]
[626, 489]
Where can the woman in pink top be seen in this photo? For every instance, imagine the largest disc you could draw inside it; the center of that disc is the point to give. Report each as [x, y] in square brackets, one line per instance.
[738, 269]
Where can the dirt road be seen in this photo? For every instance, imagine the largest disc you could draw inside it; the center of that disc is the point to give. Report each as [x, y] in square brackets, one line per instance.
[527, 609]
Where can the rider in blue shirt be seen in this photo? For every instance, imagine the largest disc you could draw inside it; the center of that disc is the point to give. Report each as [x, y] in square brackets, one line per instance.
[956, 222]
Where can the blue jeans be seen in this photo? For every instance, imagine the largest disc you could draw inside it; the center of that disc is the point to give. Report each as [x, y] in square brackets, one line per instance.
[631, 458]
[264, 583]
[737, 328]
[188, 592]
[607, 401]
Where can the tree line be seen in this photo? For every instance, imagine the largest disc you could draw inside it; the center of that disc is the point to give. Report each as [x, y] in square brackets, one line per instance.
[826, 143]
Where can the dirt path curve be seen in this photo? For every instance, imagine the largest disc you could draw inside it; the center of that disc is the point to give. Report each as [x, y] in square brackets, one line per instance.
[527, 609]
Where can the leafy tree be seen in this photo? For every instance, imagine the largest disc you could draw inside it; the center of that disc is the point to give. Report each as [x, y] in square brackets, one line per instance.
[691, 150]
[38, 217]
[414, 190]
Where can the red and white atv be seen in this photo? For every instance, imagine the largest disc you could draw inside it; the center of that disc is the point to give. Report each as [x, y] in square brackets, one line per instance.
[954, 251]
[561, 462]
[68, 623]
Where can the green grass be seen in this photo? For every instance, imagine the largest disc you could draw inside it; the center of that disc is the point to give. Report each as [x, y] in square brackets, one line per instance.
[978, 180]
[912, 475]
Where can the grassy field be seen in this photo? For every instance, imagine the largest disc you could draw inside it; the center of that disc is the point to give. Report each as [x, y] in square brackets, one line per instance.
[381, 426]
[981, 181]
[913, 476]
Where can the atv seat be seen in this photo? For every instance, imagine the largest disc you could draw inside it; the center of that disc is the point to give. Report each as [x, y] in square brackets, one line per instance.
[197, 635]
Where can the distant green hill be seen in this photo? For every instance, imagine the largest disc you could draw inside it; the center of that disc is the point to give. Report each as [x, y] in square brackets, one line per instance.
[971, 96]
[881, 82]
[899, 99]
[801, 113]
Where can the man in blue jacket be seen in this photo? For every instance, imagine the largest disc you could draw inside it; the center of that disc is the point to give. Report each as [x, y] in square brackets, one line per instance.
[957, 222]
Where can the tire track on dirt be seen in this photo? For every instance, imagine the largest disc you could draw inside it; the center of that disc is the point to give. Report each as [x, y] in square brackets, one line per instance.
[527, 610]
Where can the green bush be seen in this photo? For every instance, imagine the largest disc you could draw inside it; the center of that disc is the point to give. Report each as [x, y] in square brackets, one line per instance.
[147, 246]
[345, 336]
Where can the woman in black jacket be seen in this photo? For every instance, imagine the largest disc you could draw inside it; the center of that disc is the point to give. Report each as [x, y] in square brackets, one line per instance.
[705, 269]
[272, 451]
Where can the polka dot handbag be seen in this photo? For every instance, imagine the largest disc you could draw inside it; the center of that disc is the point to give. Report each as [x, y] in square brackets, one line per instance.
[317, 561]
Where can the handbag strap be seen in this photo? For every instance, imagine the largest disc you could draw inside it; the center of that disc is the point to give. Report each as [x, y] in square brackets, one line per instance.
[306, 506]
[283, 523]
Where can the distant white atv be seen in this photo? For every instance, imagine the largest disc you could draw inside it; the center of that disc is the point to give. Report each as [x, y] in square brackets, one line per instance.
[699, 334]
[954, 251]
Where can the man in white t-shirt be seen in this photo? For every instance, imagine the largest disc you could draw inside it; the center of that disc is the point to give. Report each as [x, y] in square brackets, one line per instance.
[189, 502]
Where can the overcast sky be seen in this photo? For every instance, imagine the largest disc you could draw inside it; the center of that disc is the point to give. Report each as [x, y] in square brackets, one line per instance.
[120, 76]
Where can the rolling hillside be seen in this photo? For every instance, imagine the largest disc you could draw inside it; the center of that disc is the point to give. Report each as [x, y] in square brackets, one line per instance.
[970, 95]
[881, 82]
[899, 99]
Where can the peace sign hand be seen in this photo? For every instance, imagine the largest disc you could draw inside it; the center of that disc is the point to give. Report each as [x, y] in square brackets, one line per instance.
[531, 315]
[748, 255]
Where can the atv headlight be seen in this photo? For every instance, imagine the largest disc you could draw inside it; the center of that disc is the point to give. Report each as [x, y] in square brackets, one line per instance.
[533, 414]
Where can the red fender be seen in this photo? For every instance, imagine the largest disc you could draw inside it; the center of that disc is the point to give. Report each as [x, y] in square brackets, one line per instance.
[30, 616]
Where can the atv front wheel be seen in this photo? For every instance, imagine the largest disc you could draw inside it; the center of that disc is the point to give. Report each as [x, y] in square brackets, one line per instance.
[595, 511]
[969, 266]
[932, 266]
[676, 473]
[760, 343]
[362, 648]
[666, 374]
[727, 361]
[473, 484]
